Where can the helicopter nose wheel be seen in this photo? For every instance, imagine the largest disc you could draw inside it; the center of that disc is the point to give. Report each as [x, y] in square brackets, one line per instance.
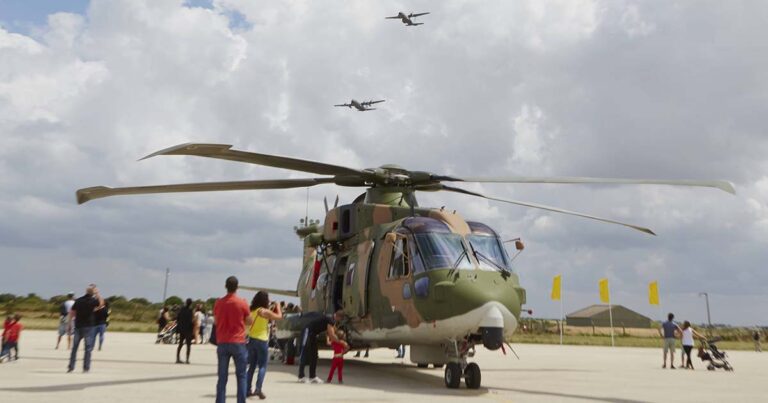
[472, 376]
[452, 375]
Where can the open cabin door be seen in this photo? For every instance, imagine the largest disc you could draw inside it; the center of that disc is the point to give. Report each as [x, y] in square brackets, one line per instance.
[356, 281]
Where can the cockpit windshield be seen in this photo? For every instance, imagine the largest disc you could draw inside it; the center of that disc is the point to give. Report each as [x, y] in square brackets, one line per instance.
[443, 250]
[487, 247]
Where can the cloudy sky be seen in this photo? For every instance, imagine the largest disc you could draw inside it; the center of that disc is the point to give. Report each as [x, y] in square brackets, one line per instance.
[626, 89]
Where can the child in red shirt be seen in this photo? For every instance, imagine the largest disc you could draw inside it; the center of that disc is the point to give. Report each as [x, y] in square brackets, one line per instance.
[11, 338]
[339, 348]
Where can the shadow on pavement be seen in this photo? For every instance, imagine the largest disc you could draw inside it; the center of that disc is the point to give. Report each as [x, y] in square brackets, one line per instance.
[569, 395]
[84, 385]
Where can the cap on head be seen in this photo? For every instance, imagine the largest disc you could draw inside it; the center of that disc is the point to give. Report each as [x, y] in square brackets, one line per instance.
[231, 284]
[70, 294]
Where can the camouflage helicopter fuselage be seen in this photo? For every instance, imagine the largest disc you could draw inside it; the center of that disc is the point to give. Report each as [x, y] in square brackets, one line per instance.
[420, 277]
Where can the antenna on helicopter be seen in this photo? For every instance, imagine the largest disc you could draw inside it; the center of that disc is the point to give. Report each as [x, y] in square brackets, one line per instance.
[325, 203]
[336, 203]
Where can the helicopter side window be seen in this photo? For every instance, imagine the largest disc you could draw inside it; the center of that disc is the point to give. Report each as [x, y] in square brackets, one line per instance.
[400, 266]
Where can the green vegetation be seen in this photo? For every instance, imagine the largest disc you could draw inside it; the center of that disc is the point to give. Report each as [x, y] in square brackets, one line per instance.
[542, 331]
[127, 315]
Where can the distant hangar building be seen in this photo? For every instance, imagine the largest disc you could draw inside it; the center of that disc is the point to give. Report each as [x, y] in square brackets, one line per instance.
[598, 315]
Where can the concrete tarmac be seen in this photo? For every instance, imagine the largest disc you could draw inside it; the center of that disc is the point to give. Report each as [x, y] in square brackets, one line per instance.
[131, 368]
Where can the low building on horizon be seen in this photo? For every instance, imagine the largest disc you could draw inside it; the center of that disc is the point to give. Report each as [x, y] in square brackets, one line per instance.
[598, 315]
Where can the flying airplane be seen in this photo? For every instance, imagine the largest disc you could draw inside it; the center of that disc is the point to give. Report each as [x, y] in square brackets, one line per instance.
[407, 18]
[361, 106]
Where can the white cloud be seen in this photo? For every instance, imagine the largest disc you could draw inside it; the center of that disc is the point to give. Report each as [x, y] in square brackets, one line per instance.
[582, 88]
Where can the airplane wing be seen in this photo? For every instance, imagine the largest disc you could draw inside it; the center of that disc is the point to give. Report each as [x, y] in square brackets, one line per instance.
[397, 17]
[413, 24]
[347, 105]
[366, 103]
[417, 14]
[367, 109]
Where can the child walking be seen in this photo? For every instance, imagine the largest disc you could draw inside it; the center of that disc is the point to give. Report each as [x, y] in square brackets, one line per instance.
[337, 362]
[11, 339]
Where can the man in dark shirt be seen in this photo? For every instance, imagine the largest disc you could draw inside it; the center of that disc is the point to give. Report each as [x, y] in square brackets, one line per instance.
[671, 332]
[184, 327]
[85, 325]
[309, 343]
[101, 317]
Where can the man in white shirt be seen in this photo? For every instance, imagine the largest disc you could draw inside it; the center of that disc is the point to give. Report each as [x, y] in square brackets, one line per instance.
[65, 320]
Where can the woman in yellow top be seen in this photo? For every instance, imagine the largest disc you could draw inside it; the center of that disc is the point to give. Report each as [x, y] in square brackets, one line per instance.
[258, 339]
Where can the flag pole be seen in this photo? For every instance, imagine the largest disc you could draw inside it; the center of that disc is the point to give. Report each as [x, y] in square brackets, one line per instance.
[610, 317]
[561, 321]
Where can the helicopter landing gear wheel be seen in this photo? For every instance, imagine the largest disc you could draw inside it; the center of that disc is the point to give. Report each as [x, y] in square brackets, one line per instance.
[472, 376]
[452, 375]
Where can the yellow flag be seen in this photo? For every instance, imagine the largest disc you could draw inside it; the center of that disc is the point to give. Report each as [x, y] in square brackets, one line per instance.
[653, 293]
[605, 295]
[556, 288]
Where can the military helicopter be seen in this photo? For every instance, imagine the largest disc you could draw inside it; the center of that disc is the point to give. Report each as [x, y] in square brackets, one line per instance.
[407, 19]
[402, 273]
[361, 106]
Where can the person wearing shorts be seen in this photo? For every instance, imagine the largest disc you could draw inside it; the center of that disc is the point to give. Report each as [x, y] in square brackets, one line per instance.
[65, 320]
[671, 332]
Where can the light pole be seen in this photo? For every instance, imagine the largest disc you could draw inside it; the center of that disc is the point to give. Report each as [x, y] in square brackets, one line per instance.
[709, 318]
[165, 287]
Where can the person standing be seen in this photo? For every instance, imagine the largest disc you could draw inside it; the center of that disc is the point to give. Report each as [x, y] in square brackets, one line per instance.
[101, 317]
[670, 331]
[232, 316]
[687, 340]
[11, 335]
[185, 329]
[339, 347]
[65, 320]
[309, 343]
[199, 324]
[209, 322]
[83, 315]
[756, 338]
[258, 339]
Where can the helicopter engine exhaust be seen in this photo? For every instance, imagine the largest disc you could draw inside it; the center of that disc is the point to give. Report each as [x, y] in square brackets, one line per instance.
[492, 329]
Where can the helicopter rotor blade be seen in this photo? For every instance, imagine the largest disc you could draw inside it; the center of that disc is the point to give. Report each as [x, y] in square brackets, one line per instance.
[98, 192]
[225, 152]
[287, 293]
[534, 205]
[325, 202]
[718, 184]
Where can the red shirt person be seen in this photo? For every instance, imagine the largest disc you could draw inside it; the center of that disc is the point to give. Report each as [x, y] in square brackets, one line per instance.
[11, 333]
[231, 315]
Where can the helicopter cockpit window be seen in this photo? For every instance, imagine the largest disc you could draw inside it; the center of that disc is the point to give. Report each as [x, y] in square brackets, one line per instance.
[400, 266]
[487, 247]
[443, 251]
[436, 245]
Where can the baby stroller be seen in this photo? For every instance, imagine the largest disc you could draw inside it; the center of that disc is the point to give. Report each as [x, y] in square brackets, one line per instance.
[275, 348]
[168, 335]
[708, 351]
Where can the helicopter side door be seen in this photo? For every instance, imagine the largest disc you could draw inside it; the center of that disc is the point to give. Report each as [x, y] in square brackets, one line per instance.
[395, 275]
[356, 281]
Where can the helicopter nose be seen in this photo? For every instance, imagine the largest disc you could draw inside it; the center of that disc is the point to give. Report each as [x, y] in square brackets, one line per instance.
[492, 328]
[492, 318]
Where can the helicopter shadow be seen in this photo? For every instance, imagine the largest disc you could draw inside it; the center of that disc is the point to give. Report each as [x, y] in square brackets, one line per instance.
[387, 377]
